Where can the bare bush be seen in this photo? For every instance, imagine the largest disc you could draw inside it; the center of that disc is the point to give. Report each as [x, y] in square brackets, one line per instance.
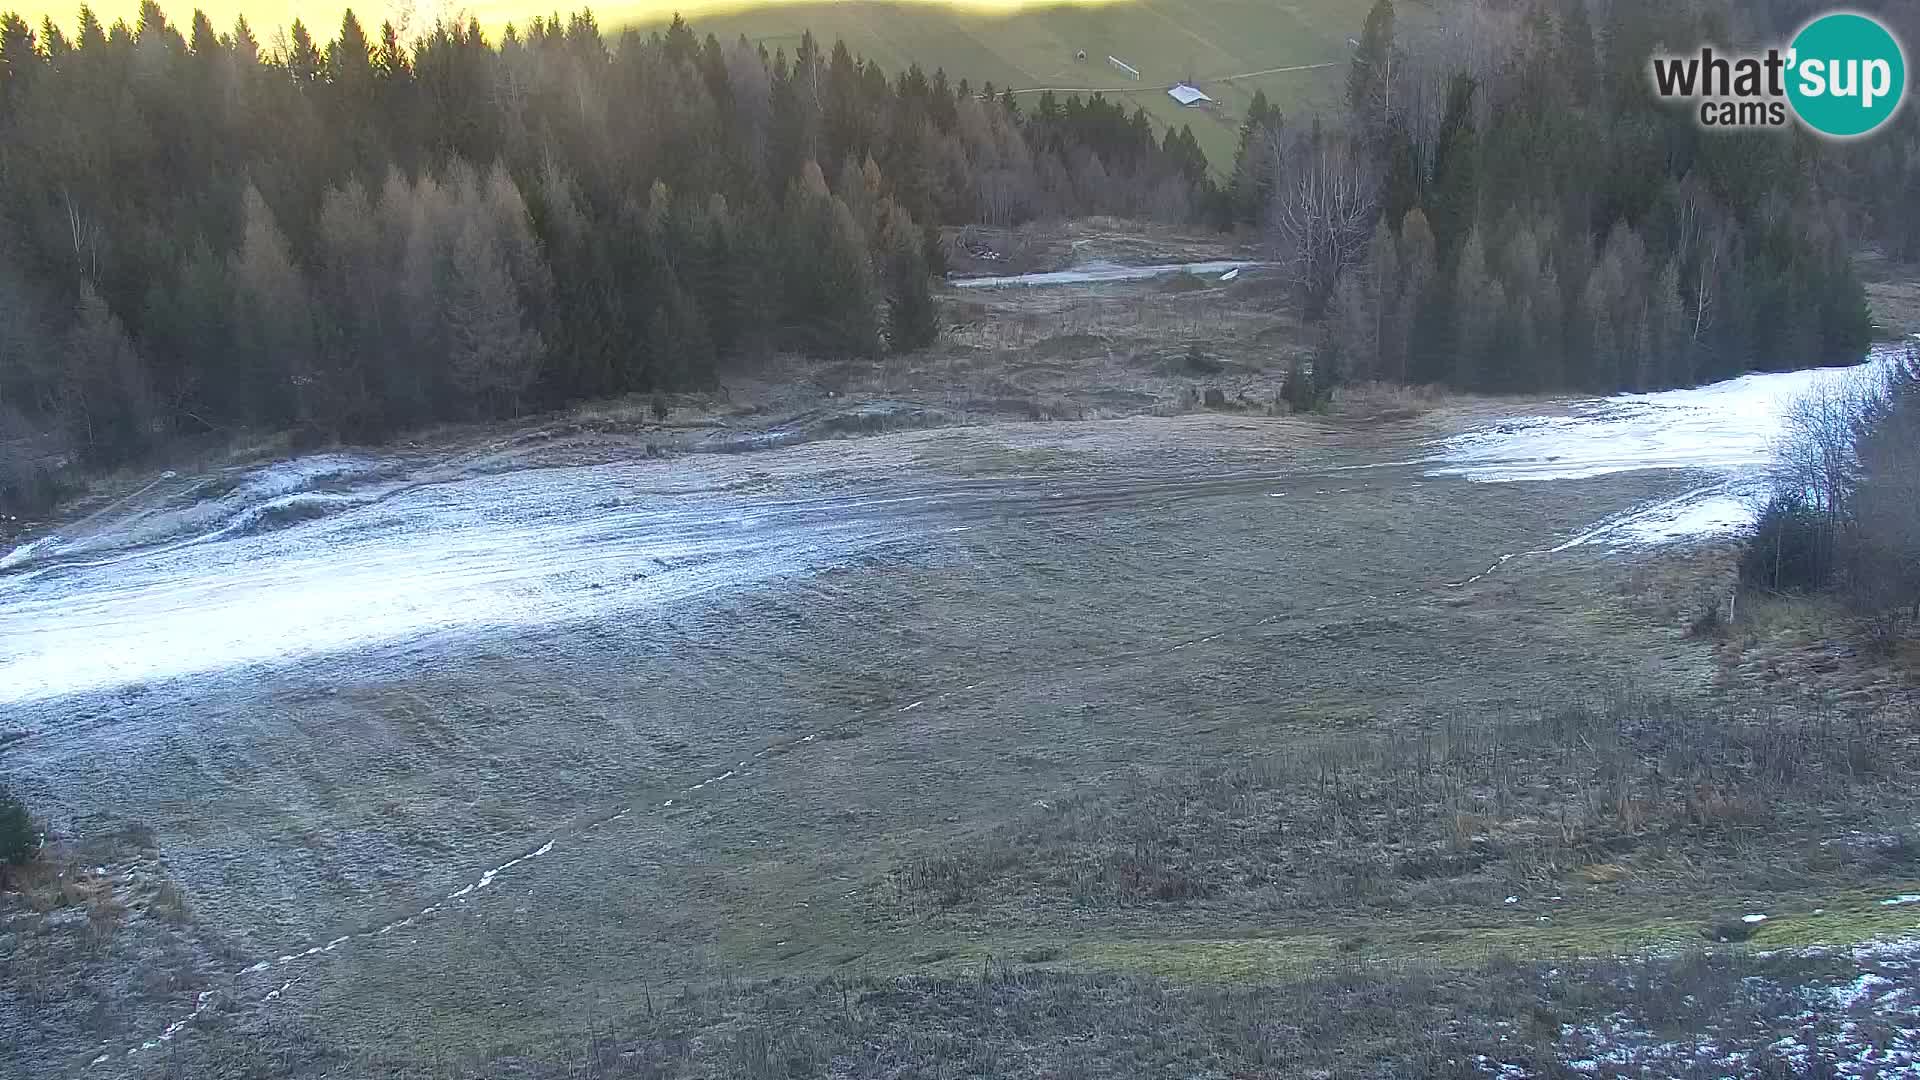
[1814, 456]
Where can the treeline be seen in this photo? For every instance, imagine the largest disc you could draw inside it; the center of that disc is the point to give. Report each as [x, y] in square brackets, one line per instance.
[1844, 515]
[198, 233]
[1508, 208]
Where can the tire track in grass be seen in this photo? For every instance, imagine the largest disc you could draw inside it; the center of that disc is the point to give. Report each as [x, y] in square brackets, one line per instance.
[208, 998]
[1605, 527]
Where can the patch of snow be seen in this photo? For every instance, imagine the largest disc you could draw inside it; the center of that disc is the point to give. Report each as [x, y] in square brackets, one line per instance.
[1100, 272]
[1727, 428]
[1865, 1026]
[1723, 426]
[1903, 898]
[1753, 918]
[1859, 990]
[278, 576]
[24, 552]
[1719, 513]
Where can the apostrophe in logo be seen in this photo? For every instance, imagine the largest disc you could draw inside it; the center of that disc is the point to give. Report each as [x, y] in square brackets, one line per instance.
[1847, 75]
[1844, 75]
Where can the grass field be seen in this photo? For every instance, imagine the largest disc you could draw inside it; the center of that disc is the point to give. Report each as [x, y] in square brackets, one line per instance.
[1006, 42]
[1167, 40]
[1153, 738]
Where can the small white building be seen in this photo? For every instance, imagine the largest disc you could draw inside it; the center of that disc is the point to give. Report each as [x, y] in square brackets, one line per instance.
[1188, 96]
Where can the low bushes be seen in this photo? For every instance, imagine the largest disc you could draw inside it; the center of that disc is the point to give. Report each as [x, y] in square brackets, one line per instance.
[1790, 550]
[19, 840]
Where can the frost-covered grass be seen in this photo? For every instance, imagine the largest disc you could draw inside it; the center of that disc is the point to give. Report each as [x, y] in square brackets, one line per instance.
[1817, 1012]
[1696, 1014]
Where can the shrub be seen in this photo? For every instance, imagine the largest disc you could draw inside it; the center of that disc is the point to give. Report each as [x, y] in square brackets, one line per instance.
[1197, 362]
[1707, 621]
[1790, 547]
[1311, 382]
[1299, 389]
[19, 841]
[30, 480]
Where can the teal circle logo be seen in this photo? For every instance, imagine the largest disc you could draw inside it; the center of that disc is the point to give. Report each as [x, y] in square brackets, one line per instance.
[1847, 75]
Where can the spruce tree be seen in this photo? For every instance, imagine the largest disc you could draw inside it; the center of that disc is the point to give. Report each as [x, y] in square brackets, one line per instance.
[1422, 302]
[273, 324]
[491, 355]
[912, 315]
[105, 401]
[1370, 70]
[1479, 305]
[303, 56]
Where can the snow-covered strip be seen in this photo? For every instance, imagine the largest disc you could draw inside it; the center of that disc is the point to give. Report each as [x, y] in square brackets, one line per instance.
[26, 551]
[1095, 273]
[1726, 426]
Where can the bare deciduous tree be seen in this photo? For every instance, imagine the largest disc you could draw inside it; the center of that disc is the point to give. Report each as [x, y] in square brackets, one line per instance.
[1324, 202]
[1814, 455]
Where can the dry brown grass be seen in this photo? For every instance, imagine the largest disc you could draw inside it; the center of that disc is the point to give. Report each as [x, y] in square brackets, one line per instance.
[106, 914]
[1455, 812]
[1818, 648]
[1351, 1019]
[1039, 246]
[170, 904]
[1389, 401]
[52, 883]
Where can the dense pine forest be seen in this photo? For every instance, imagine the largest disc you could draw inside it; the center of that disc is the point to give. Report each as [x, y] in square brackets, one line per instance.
[204, 234]
[1506, 206]
[201, 233]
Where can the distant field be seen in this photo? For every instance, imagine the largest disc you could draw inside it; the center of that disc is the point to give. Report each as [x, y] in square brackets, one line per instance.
[1167, 40]
[1005, 42]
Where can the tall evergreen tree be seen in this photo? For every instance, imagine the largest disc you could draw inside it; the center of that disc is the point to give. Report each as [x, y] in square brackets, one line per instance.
[1369, 73]
[104, 397]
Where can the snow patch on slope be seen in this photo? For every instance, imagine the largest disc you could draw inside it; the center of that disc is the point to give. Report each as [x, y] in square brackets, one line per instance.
[1727, 429]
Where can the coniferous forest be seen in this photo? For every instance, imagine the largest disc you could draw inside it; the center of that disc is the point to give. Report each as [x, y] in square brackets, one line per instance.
[352, 237]
[202, 233]
[1506, 206]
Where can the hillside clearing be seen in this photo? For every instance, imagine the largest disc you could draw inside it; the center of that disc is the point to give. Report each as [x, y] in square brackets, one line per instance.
[1166, 40]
